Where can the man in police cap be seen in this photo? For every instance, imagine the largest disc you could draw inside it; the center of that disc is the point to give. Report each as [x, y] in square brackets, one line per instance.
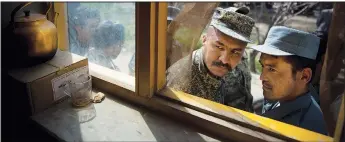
[217, 71]
[288, 62]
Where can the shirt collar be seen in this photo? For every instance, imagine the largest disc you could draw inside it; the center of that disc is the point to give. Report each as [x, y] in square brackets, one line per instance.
[288, 107]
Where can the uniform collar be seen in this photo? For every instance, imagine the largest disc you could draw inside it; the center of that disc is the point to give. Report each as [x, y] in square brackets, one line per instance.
[289, 107]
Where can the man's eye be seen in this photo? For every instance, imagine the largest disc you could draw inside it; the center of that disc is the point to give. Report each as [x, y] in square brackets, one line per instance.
[271, 69]
[236, 53]
[219, 47]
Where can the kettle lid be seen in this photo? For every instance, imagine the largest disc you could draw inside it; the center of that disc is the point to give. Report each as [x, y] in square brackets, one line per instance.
[29, 17]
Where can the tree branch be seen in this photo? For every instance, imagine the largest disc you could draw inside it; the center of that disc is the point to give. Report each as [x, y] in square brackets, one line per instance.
[297, 13]
[284, 14]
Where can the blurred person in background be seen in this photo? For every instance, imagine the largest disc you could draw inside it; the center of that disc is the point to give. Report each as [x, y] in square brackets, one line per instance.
[172, 13]
[323, 22]
[108, 39]
[82, 23]
[323, 25]
[314, 86]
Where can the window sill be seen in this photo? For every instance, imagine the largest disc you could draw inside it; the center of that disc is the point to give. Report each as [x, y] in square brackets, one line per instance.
[114, 121]
[222, 121]
[121, 79]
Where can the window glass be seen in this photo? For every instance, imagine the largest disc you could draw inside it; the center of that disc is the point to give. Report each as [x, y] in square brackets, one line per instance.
[211, 54]
[103, 32]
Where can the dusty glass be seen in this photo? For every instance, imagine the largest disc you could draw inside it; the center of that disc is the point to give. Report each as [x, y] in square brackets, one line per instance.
[103, 32]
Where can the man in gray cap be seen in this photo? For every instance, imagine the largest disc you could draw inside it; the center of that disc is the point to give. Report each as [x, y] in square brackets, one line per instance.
[217, 70]
[288, 62]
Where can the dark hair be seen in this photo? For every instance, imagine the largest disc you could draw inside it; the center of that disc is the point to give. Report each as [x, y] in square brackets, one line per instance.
[109, 33]
[323, 44]
[298, 63]
[82, 14]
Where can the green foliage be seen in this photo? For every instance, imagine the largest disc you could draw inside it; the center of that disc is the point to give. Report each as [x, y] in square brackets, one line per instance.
[199, 45]
[258, 66]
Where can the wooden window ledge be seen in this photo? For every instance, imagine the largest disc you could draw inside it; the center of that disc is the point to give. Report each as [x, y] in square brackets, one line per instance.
[197, 119]
[114, 121]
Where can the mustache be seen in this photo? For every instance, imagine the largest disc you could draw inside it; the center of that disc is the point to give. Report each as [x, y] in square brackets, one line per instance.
[266, 83]
[220, 64]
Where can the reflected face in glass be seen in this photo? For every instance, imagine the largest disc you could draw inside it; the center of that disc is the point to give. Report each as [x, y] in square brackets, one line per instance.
[222, 53]
[113, 51]
[85, 32]
[278, 80]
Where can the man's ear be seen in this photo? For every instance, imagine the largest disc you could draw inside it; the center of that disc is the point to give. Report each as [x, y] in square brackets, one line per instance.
[306, 75]
[204, 38]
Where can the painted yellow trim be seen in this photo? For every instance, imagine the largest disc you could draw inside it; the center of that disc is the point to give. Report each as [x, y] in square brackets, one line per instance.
[162, 41]
[287, 130]
[340, 122]
[61, 25]
[145, 71]
[153, 19]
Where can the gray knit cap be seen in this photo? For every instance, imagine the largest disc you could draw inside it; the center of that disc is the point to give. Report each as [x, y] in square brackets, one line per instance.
[233, 22]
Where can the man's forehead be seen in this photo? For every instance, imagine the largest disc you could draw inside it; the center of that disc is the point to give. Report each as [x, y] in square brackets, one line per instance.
[212, 33]
[217, 35]
[272, 60]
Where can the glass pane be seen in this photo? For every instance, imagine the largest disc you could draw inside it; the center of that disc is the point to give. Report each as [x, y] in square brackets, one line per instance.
[103, 32]
[217, 62]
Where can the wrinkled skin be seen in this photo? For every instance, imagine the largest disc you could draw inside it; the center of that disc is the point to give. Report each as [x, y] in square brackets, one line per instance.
[228, 85]
[221, 53]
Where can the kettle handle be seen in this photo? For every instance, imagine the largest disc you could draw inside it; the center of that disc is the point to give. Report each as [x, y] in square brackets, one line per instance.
[21, 6]
[50, 6]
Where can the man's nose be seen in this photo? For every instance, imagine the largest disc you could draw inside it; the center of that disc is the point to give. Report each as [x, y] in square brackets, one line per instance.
[225, 58]
[262, 75]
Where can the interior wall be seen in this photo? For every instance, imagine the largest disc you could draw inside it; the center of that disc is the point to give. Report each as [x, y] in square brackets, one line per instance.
[8, 7]
[15, 106]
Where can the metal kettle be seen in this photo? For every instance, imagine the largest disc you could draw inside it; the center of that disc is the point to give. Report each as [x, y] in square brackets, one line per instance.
[33, 38]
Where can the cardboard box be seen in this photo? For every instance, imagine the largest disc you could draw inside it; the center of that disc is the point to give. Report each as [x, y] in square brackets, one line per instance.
[40, 83]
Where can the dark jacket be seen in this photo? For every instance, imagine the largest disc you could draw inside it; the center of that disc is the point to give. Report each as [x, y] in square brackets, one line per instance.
[302, 112]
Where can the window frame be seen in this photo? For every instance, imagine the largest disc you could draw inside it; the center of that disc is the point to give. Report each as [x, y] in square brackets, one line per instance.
[148, 87]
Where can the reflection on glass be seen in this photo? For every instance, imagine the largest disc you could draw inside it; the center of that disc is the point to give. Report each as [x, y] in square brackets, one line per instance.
[217, 70]
[103, 32]
[223, 67]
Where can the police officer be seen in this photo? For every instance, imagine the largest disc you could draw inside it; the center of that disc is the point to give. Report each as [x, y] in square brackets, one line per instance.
[288, 62]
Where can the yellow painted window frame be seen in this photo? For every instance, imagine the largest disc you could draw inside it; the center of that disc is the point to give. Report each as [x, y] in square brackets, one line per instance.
[220, 110]
[217, 119]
